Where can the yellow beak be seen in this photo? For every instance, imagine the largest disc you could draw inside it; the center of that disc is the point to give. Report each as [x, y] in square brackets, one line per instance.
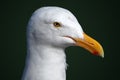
[90, 44]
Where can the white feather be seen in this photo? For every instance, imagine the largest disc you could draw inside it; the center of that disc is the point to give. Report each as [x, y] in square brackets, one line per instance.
[46, 59]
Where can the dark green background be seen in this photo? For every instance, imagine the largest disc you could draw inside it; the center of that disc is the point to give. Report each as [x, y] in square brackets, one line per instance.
[97, 17]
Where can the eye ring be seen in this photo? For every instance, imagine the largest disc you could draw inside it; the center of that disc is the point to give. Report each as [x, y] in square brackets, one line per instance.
[57, 24]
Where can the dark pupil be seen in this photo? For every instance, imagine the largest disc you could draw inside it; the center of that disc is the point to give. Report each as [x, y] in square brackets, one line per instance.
[57, 24]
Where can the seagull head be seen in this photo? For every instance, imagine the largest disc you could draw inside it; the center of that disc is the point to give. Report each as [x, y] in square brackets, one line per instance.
[58, 27]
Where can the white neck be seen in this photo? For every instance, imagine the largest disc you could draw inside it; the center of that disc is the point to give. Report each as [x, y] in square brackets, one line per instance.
[45, 63]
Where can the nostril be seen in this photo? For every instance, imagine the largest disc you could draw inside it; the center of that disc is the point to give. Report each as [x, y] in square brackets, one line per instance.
[91, 43]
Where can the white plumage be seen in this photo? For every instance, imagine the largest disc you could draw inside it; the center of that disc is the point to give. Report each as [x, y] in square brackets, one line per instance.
[50, 30]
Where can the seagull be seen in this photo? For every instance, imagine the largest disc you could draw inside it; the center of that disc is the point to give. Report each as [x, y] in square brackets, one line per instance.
[50, 30]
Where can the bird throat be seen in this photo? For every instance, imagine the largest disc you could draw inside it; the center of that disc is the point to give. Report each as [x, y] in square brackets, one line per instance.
[45, 63]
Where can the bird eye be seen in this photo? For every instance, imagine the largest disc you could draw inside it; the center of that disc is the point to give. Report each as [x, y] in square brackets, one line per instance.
[57, 24]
